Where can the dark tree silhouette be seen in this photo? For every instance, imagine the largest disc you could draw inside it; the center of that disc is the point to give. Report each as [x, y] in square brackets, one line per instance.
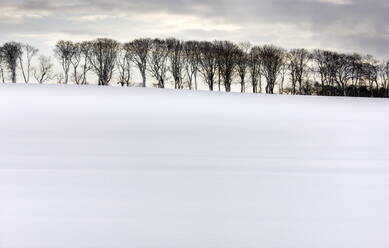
[192, 62]
[176, 61]
[384, 74]
[298, 71]
[344, 71]
[371, 69]
[158, 62]
[2, 65]
[323, 61]
[75, 62]
[80, 62]
[242, 63]
[103, 57]
[356, 73]
[298, 60]
[140, 49]
[25, 60]
[44, 71]
[254, 67]
[11, 52]
[272, 59]
[124, 65]
[228, 55]
[64, 51]
[208, 62]
[218, 48]
[85, 50]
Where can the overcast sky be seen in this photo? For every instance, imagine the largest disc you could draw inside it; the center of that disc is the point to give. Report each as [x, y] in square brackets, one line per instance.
[346, 25]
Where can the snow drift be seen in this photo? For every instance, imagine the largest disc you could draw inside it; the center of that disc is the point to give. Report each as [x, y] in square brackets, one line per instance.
[113, 167]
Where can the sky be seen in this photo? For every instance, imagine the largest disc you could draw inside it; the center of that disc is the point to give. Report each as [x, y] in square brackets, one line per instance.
[342, 25]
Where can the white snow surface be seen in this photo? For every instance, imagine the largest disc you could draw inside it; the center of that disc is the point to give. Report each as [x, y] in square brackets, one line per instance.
[97, 167]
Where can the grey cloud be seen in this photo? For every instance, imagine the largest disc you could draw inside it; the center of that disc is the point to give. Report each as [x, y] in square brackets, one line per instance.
[341, 24]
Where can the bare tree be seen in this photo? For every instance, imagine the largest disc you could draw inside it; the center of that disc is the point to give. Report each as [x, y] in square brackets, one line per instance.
[85, 50]
[228, 55]
[254, 67]
[208, 63]
[298, 60]
[242, 61]
[124, 65]
[384, 74]
[11, 52]
[272, 58]
[176, 61]
[2, 64]
[344, 71]
[320, 66]
[218, 51]
[64, 51]
[75, 62]
[25, 59]
[44, 71]
[140, 49]
[103, 57]
[191, 59]
[80, 62]
[326, 67]
[158, 62]
[371, 68]
[284, 69]
[356, 73]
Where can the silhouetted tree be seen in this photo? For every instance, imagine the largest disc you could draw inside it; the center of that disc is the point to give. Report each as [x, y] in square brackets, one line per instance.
[85, 49]
[124, 65]
[2, 65]
[272, 58]
[343, 73]
[140, 49]
[326, 67]
[11, 52]
[242, 63]
[356, 73]
[44, 71]
[283, 71]
[158, 62]
[25, 59]
[208, 63]
[103, 57]
[298, 60]
[384, 74]
[254, 67]
[64, 51]
[80, 62]
[176, 61]
[75, 62]
[192, 62]
[228, 56]
[319, 72]
[371, 68]
[218, 51]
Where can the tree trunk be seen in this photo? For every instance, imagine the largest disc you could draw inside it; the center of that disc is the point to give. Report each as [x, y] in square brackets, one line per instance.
[195, 76]
[242, 85]
[13, 76]
[219, 82]
[2, 75]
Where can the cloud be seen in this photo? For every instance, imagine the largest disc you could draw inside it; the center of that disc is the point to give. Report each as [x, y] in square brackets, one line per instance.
[91, 18]
[340, 2]
[347, 25]
[13, 15]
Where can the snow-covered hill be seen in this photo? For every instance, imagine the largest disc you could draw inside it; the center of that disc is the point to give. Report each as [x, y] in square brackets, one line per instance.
[113, 167]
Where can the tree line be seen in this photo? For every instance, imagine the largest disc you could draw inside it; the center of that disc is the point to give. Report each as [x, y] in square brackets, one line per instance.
[185, 64]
